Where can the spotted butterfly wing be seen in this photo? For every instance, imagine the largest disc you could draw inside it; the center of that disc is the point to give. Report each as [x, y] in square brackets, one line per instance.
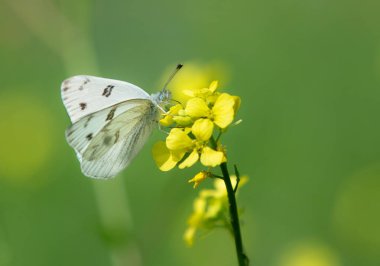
[83, 95]
[111, 122]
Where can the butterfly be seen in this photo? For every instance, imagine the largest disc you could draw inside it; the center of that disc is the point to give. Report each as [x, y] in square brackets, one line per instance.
[111, 121]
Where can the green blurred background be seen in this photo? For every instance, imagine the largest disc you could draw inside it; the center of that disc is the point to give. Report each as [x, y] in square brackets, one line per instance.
[308, 73]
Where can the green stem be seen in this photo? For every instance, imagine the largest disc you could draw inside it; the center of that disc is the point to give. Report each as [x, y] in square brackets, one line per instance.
[242, 258]
[237, 178]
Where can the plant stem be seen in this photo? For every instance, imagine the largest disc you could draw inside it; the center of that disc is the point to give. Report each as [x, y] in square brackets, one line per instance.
[242, 258]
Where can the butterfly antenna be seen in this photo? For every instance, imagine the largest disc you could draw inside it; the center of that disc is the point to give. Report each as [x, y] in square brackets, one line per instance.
[179, 66]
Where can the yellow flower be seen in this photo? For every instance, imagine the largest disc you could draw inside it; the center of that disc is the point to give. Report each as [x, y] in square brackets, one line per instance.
[202, 129]
[189, 234]
[165, 158]
[222, 113]
[168, 118]
[179, 140]
[193, 125]
[223, 110]
[190, 160]
[183, 121]
[210, 209]
[210, 157]
[202, 93]
[195, 220]
[197, 107]
[198, 178]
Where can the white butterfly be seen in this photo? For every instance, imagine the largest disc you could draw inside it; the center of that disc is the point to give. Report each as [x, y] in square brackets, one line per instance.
[111, 121]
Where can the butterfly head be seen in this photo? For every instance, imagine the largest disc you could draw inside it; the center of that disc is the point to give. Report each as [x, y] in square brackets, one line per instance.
[162, 98]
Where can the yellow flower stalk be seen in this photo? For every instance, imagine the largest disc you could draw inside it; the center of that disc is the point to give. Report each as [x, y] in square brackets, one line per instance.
[195, 220]
[210, 208]
[195, 132]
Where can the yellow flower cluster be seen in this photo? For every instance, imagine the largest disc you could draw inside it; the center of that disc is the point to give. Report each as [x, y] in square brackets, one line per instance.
[192, 129]
[210, 209]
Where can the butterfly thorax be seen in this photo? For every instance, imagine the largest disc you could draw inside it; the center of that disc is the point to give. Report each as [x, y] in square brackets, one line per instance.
[161, 98]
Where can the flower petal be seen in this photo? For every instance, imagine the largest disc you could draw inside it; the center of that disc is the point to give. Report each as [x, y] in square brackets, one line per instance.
[202, 129]
[162, 157]
[189, 235]
[199, 207]
[197, 107]
[190, 160]
[178, 140]
[166, 121]
[183, 121]
[237, 103]
[213, 86]
[223, 110]
[211, 99]
[214, 208]
[175, 109]
[189, 93]
[210, 157]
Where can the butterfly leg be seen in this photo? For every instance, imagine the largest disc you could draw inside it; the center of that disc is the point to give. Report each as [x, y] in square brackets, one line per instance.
[162, 129]
[162, 110]
[172, 100]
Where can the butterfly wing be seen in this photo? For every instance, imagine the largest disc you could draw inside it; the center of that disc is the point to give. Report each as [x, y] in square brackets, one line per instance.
[82, 132]
[106, 146]
[84, 95]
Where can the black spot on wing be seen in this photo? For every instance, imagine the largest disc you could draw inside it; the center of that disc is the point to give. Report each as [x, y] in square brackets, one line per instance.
[65, 88]
[107, 140]
[92, 156]
[89, 136]
[82, 106]
[108, 90]
[111, 114]
[117, 135]
[88, 120]
[66, 82]
[84, 83]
